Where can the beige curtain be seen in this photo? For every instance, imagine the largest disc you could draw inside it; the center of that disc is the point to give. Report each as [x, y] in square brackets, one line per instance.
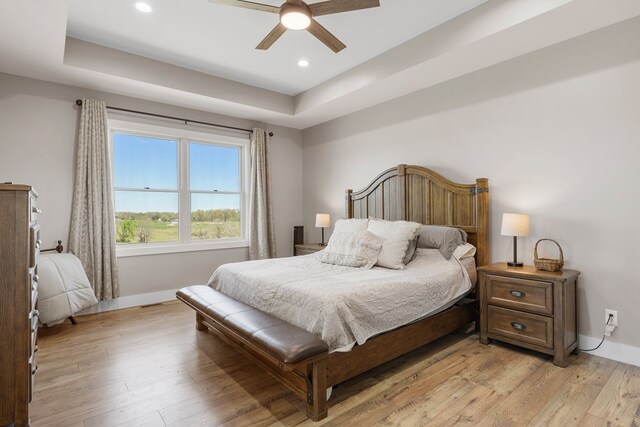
[92, 235]
[262, 241]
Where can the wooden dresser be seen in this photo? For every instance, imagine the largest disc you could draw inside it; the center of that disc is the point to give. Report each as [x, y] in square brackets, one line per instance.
[529, 308]
[19, 249]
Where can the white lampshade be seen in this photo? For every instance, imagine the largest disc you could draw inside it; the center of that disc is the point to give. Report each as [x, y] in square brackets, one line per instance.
[323, 220]
[515, 225]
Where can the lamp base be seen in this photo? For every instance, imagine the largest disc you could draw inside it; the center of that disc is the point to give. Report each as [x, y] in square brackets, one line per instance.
[515, 264]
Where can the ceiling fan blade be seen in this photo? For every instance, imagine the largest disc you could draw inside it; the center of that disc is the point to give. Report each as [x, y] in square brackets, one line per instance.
[272, 37]
[325, 36]
[339, 6]
[248, 5]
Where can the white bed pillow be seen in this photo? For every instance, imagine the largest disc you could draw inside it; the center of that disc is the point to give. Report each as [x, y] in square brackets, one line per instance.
[465, 250]
[397, 235]
[359, 249]
[351, 225]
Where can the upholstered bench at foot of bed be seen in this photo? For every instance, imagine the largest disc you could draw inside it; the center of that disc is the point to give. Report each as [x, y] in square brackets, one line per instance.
[295, 356]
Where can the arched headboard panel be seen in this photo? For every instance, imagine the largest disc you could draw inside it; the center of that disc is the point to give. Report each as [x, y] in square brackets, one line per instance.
[415, 193]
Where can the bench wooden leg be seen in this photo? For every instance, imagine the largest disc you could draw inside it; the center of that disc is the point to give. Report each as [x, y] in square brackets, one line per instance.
[317, 402]
[199, 325]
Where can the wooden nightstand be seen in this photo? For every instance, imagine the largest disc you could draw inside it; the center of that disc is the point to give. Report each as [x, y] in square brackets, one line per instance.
[529, 308]
[308, 248]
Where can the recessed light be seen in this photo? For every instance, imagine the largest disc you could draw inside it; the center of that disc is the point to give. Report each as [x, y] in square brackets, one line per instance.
[303, 63]
[143, 7]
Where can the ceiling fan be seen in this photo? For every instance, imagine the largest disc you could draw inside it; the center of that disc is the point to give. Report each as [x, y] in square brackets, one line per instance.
[298, 15]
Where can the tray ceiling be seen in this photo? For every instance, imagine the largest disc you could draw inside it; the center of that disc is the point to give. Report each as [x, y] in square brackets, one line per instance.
[220, 40]
[198, 55]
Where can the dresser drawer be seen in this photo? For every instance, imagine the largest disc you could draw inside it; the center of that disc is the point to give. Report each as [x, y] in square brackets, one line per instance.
[33, 208]
[34, 299]
[34, 245]
[34, 320]
[34, 342]
[34, 281]
[33, 368]
[524, 327]
[521, 294]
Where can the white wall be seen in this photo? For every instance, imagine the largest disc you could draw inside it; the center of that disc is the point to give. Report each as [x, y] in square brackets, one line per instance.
[557, 134]
[37, 144]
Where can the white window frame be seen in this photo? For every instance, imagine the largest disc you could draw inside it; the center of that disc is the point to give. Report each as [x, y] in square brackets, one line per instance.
[184, 138]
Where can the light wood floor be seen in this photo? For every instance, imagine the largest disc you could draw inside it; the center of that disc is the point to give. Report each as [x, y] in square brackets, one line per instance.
[150, 367]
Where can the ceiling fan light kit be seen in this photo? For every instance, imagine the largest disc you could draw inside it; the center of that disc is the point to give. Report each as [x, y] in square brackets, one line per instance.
[295, 17]
[298, 15]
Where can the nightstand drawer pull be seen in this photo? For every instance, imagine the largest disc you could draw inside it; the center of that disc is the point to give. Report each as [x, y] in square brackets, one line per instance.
[518, 326]
[518, 294]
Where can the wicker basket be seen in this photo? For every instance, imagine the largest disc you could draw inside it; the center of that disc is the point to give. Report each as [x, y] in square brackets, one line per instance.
[548, 264]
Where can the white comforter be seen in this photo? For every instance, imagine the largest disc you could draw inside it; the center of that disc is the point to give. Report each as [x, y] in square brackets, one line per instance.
[63, 288]
[345, 305]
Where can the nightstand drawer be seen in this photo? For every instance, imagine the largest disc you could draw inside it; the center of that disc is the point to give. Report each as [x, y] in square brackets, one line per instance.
[522, 294]
[309, 248]
[524, 327]
[304, 252]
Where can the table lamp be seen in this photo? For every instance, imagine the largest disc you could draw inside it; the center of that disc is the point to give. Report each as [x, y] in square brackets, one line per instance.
[323, 221]
[516, 225]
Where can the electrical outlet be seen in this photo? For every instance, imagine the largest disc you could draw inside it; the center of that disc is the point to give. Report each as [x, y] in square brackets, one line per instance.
[610, 325]
[614, 320]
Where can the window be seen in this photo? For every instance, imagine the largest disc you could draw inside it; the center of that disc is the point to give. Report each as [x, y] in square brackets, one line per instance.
[177, 190]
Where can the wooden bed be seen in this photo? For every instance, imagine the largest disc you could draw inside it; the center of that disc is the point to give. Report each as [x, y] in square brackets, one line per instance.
[405, 192]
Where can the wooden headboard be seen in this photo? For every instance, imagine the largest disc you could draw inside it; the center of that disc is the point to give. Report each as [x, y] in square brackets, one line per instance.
[415, 193]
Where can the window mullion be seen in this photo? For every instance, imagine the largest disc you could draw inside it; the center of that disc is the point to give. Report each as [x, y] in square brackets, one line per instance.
[146, 190]
[215, 192]
[185, 196]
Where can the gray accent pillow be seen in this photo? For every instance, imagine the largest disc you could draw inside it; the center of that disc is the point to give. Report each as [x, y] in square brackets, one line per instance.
[411, 251]
[445, 239]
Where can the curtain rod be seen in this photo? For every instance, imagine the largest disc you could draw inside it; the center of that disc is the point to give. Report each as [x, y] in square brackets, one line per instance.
[186, 121]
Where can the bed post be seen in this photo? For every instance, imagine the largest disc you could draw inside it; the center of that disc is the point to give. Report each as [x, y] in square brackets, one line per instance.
[348, 205]
[402, 192]
[482, 239]
[317, 392]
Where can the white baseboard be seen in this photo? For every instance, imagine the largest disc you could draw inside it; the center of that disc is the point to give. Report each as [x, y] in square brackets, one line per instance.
[130, 301]
[611, 349]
